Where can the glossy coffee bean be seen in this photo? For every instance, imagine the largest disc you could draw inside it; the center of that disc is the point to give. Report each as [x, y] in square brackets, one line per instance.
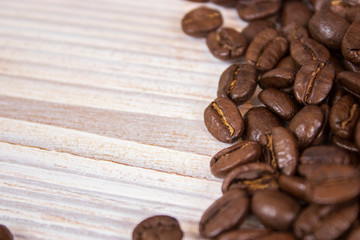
[223, 120]
[5, 233]
[277, 236]
[350, 81]
[279, 78]
[293, 185]
[229, 158]
[238, 83]
[350, 44]
[357, 135]
[159, 227]
[303, 50]
[226, 43]
[295, 12]
[201, 21]
[254, 27]
[257, 9]
[244, 234]
[274, 209]
[266, 50]
[224, 214]
[345, 144]
[313, 82]
[225, 3]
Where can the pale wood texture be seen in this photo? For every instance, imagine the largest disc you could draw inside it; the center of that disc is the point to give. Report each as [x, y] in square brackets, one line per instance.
[101, 125]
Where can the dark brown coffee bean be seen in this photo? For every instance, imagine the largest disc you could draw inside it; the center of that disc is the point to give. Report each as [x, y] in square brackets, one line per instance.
[350, 45]
[354, 234]
[295, 12]
[328, 28]
[229, 158]
[266, 50]
[226, 43]
[357, 135]
[350, 81]
[353, 14]
[322, 137]
[255, 27]
[333, 184]
[257, 9]
[159, 227]
[306, 125]
[305, 49]
[225, 3]
[238, 82]
[259, 121]
[223, 120]
[277, 236]
[224, 214]
[288, 63]
[250, 177]
[279, 103]
[343, 117]
[279, 78]
[313, 82]
[346, 144]
[5, 233]
[274, 209]
[200, 21]
[295, 186]
[244, 234]
[325, 222]
[294, 31]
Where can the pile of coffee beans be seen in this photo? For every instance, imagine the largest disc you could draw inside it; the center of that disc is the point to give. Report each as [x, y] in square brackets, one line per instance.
[294, 162]
[5, 233]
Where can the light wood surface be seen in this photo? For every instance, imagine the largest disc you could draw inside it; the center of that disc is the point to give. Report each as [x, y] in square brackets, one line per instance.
[101, 125]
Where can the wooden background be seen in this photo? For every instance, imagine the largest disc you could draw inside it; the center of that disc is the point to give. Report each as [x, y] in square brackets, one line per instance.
[101, 125]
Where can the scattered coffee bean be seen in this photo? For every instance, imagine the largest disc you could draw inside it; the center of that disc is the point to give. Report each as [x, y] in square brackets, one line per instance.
[350, 81]
[303, 50]
[280, 78]
[295, 12]
[5, 233]
[347, 145]
[257, 9]
[254, 27]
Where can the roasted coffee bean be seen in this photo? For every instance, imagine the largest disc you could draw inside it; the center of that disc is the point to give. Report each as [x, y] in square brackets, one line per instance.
[353, 14]
[226, 43]
[279, 103]
[259, 121]
[350, 45]
[294, 31]
[306, 125]
[5, 233]
[200, 21]
[255, 27]
[250, 177]
[238, 82]
[266, 50]
[224, 214]
[225, 3]
[257, 9]
[346, 144]
[274, 209]
[159, 227]
[357, 135]
[333, 184]
[350, 81]
[303, 50]
[328, 28]
[295, 12]
[244, 234]
[277, 236]
[293, 185]
[343, 117]
[325, 221]
[223, 120]
[322, 137]
[313, 82]
[280, 78]
[229, 158]
[354, 234]
[288, 63]
[350, 66]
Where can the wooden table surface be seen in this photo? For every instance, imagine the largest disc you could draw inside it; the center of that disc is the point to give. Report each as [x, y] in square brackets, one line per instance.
[101, 125]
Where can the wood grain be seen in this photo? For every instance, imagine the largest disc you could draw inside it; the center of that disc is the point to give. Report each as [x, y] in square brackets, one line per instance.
[101, 107]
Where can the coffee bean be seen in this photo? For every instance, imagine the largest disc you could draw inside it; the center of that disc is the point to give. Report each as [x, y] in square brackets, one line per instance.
[224, 214]
[244, 234]
[274, 209]
[346, 144]
[229, 158]
[303, 50]
[223, 120]
[295, 12]
[280, 78]
[257, 9]
[357, 135]
[322, 137]
[320, 5]
[293, 185]
[266, 50]
[226, 43]
[5, 233]
[250, 177]
[277, 236]
[238, 82]
[159, 227]
[279, 103]
[354, 234]
[306, 125]
[350, 66]
[200, 21]
[313, 82]
[255, 27]
[288, 63]
[350, 81]
[294, 31]
[350, 45]
[225, 3]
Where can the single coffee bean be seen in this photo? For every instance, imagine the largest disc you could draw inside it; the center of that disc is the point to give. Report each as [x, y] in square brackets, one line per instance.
[259, 121]
[343, 117]
[328, 28]
[254, 27]
[200, 21]
[325, 221]
[223, 120]
[279, 78]
[295, 12]
[279, 103]
[224, 214]
[357, 135]
[346, 144]
[257, 9]
[350, 45]
[354, 234]
[350, 81]
[333, 184]
[306, 125]
[159, 227]
[244, 234]
[274, 209]
[225, 3]
[322, 137]
[294, 31]
[250, 177]
[353, 14]
[303, 50]
[238, 82]
[226, 43]
[266, 50]
[229, 158]
[293, 185]
[277, 236]
[5, 233]
[313, 82]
